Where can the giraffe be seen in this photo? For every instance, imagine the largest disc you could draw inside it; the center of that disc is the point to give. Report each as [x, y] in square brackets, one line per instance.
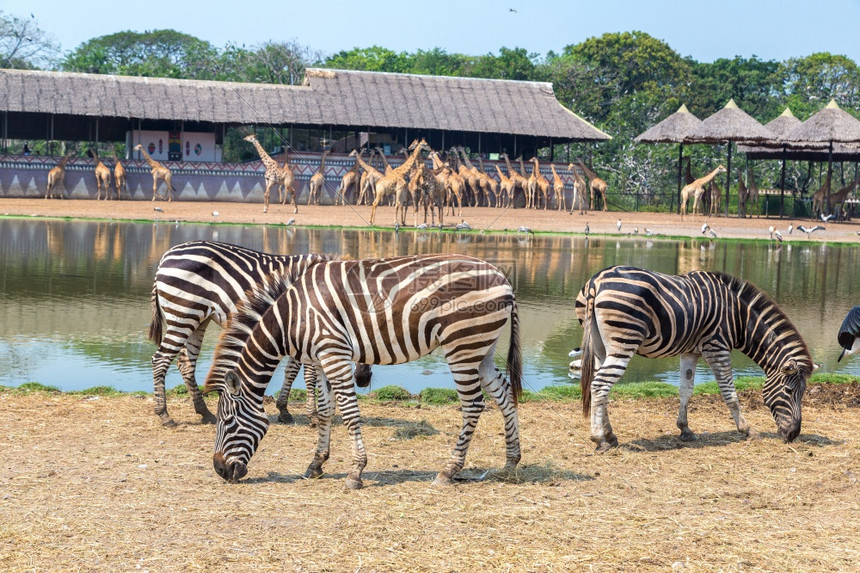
[491, 185]
[317, 182]
[839, 197]
[427, 192]
[517, 178]
[558, 189]
[753, 191]
[56, 176]
[541, 183]
[688, 175]
[483, 187]
[102, 176]
[697, 187]
[597, 184]
[470, 178]
[276, 175]
[716, 195]
[159, 171]
[454, 184]
[349, 181]
[507, 187]
[818, 198]
[743, 195]
[579, 187]
[120, 178]
[395, 183]
[531, 187]
[368, 178]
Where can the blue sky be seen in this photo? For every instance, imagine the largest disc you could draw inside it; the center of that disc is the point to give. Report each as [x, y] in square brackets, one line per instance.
[705, 30]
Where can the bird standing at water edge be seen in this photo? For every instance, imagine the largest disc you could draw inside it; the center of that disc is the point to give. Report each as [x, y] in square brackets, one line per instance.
[618, 225]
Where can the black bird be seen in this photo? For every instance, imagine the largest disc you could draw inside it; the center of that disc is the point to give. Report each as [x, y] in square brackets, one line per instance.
[512, 10]
[809, 231]
[849, 333]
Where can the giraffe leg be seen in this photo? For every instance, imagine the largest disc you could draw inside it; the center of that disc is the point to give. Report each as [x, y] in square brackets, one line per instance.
[721, 365]
[685, 390]
[266, 196]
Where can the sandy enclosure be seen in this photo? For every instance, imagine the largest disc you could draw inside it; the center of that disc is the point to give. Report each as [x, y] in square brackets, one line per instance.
[96, 484]
[480, 218]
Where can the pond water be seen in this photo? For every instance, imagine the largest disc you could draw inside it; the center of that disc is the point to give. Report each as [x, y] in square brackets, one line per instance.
[74, 296]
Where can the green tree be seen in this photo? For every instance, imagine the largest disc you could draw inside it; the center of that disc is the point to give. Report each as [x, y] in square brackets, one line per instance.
[24, 45]
[159, 53]
[510, 64]
[751, 82]
[809, 83]
[372, 59]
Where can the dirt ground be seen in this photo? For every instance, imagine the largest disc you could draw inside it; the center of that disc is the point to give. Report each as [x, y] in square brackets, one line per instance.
[96, 484]
[483, 218]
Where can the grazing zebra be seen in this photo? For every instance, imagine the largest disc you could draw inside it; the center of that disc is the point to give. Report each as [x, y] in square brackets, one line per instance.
[626, 311]
[384, 311]
[201, 281]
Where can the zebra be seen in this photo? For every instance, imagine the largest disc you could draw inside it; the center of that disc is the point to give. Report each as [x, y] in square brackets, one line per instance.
[202, 281]
[382, 311]
[626, 311]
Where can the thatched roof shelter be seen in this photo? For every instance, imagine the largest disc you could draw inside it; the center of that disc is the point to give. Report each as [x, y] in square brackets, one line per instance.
[676, 128]
[831, 124]
[731, 124]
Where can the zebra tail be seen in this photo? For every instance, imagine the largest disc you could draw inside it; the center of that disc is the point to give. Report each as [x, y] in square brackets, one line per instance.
[587, 360]
[515, 356]
[155, 325]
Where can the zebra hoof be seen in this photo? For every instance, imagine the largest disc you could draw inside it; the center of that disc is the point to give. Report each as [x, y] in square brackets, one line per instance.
[285, 417]
[208, 418]
[354, 483]
[443, 479]
[752, 435]
[313, 472]
[605, 446]
[687, 436]
[167, 422]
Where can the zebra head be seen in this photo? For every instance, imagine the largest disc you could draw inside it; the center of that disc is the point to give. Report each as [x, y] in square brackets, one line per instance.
[782, 393]
[241, 425]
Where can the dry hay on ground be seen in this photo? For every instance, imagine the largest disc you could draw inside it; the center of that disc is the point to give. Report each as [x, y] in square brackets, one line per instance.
[96, 484]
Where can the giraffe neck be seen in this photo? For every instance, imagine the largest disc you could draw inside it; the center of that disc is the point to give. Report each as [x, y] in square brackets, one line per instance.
[591, 174]
[265, 157]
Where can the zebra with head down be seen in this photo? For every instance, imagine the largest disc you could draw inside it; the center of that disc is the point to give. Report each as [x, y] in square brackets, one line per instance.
[626, 311]
[384, 311]
[202, 281]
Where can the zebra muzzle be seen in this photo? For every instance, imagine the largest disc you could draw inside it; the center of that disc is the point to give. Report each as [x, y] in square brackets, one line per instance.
[229, 471]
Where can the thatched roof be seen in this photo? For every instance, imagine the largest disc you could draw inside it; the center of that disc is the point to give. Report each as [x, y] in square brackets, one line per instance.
[674, 129]
[783, 124]
[348, 99]
[731, 124]
[830, 124]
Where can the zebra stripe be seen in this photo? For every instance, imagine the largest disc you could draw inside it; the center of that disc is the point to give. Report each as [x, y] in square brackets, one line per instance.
[626, 311]
[385, 311]
[202, 281]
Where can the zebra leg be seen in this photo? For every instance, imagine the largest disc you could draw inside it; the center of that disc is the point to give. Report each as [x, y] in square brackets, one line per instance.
[311, 377]
[685, 390]
[187, 364]
[608, 372]
[291, 370]
[161, 361]
[471, 406]
[325, 409]
[338, 372]
[497, 385]
[721, 365]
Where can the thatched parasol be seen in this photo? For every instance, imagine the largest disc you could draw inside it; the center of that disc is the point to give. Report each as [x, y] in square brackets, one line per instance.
[831, 124]
[727, 125]
[674, 129]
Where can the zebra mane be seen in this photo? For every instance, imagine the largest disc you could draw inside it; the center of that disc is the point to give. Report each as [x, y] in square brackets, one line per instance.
[240, 324]
[760, 303]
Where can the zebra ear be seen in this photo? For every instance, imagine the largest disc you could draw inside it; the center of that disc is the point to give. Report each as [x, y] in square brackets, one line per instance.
[232, 382]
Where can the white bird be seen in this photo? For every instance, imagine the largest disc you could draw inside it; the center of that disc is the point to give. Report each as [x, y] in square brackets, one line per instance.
[705, 228]
[712, 233]
[422, 226]
[778, 236]
[618, 225]
[292, 221]
[809, 231]
[790, 228]
[523, 229]
[648, 232]
[849, 333]
[464, 226]
[215, 213]
[159, 209]
[826, 218]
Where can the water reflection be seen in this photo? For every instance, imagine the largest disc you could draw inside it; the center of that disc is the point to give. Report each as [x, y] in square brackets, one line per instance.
[74, 296]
